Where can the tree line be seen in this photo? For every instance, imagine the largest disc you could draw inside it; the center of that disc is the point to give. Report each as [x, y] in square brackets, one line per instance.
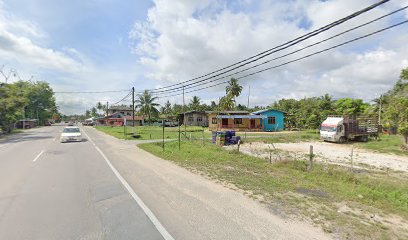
[26, 99]
[391, 107]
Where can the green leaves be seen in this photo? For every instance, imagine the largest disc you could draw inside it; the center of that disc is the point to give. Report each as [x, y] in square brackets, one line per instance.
[37, 98]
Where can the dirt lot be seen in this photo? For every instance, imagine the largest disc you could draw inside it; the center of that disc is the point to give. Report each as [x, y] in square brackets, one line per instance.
[328, 153]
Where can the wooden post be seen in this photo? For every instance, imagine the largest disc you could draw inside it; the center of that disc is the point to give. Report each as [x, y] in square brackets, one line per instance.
[351, 157]
[245, 134]
[270, 154]
[203, 136]
[179, 136]
[150, 136]
[239, 144]
[191, 138]
[163, 135]
[311, 158]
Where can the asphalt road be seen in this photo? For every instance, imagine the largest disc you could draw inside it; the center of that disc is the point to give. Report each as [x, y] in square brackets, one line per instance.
[50, 190]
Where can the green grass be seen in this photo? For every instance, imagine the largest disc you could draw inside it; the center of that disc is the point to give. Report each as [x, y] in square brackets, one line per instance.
[298, 136]
[386, 144]
[152, 132]
[324, 186]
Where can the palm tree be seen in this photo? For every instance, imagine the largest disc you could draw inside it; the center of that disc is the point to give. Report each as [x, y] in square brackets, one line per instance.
[233, 88]
[146, 104]
[227, 102]
[195, 103]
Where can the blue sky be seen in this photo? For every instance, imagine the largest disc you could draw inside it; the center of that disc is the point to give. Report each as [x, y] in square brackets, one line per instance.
[98, 45]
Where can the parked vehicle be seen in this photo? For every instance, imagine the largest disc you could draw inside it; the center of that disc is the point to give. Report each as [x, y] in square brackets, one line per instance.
[71, 134]
[343, 128]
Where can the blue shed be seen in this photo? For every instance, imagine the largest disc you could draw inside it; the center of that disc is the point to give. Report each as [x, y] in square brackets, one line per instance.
[274, 121]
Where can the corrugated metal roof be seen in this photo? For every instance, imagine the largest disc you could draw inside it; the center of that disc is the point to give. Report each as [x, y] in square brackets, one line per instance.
[265, 110]
[241, 116]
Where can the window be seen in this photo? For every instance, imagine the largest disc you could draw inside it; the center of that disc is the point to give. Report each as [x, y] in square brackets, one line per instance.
[199, 119]
[214, 121]
[237, 120]
[190, 119]
[271, 120]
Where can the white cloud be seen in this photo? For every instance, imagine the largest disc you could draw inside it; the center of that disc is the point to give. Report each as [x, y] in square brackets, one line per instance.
[20, 40]
[185, 40]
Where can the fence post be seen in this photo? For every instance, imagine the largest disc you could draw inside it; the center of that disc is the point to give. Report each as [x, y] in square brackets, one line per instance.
[179, 136]
[311, 158]
[351, 157]
[239, 144]
[163, 135]
[203, 137]
[245, 134]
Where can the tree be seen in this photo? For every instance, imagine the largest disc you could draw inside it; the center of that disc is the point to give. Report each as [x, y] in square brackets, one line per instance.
[87, 114]
[99, 106]
[227, 103]
[146, 105]
[93, 111]
[348, 106]
[12, 102]
[233, 89]
[403, 129]
[195, 103]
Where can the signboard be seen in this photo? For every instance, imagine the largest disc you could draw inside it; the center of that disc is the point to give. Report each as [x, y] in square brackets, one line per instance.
[124, 121]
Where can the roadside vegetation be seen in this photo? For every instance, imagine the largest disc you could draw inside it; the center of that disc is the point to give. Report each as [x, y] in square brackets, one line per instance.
[356, 205]
[25, 99]
[386, 144]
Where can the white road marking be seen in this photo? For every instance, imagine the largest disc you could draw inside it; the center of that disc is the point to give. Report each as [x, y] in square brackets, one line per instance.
[38, 156]
[166, 235]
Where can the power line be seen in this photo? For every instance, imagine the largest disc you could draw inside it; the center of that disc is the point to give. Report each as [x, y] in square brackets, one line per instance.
[123, 99]
[277, 48]
[298, 59]
[79, 92]
[200, 83]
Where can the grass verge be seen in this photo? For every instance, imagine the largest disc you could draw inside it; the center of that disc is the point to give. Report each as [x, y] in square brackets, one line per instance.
[338, 200]
[386, 144]
[152, 132]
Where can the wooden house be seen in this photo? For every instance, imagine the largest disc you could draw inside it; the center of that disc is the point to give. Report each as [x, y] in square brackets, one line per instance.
[274, 120]
[235, 120]
[195, 118]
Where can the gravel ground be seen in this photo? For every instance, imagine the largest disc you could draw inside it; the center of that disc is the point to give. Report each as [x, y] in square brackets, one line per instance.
[331, 153]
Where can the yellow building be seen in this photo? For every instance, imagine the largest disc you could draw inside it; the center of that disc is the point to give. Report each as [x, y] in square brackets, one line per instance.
[234, 120]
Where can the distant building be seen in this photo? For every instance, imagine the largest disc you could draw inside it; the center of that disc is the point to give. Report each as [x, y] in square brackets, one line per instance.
[195, 118]
[124, 110]
[26, 123]
[274, 120]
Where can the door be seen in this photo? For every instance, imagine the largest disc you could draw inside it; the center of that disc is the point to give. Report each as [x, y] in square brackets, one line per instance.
[224, 122]
[252, 123]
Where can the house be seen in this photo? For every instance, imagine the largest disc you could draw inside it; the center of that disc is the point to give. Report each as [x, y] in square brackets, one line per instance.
[235, 120]
[26, 123]
[195, 118]
[274, 120]
[124, 110]
[118, 119]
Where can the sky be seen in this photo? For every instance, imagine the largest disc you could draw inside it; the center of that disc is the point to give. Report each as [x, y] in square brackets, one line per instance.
[110, 45]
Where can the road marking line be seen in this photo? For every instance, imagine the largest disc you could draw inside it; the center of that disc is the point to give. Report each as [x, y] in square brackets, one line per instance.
[166, 235]
[38, 156]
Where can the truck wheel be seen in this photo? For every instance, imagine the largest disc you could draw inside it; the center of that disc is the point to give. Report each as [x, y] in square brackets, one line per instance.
[342, 140]
[364, 138]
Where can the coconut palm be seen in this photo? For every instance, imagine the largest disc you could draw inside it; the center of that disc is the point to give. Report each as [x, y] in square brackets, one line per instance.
[233, 88]
[146, 104]
[195, 103]
[227, 102]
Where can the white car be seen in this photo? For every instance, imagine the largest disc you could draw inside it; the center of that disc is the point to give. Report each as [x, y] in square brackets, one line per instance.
[71, 134]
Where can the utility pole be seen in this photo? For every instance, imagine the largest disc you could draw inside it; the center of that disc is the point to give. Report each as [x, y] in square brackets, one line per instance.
[249, 94]
[379, 111]
[133, 107]
[107, 107]
[184, 115]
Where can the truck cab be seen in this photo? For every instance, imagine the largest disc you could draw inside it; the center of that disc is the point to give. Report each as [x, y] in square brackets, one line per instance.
[332, 130]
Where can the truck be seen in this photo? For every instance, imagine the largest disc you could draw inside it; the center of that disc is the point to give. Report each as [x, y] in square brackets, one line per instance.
[340, 129]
